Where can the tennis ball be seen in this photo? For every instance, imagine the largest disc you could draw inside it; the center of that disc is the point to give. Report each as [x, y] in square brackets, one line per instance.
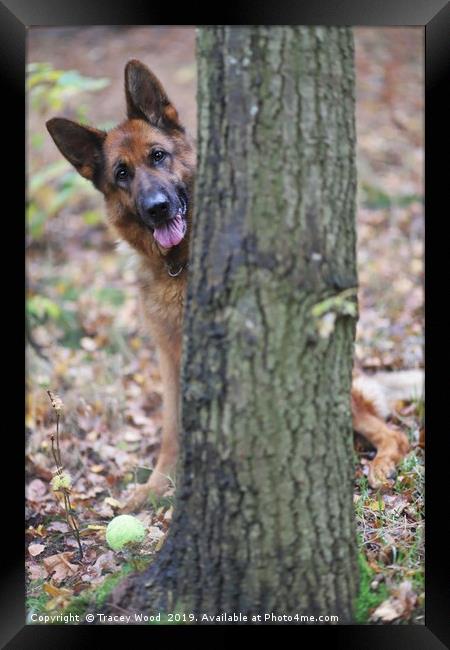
[123, 530]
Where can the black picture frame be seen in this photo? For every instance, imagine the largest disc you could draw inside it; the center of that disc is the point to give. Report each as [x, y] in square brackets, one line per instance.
[434, 15]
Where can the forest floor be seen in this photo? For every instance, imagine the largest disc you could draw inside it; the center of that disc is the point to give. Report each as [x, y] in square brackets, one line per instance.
[87, 345]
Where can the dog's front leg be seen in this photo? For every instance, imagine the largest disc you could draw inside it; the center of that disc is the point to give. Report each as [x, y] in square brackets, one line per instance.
[163, 473]
[391, 445]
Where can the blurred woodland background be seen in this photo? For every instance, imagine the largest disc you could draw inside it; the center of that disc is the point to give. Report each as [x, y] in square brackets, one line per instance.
[85, 342]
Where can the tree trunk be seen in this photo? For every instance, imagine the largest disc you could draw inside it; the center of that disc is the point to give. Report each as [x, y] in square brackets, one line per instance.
[263, 518]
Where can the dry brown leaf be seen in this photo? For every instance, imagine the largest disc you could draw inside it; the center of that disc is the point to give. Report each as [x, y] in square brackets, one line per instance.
[54, 591]
[88, 344]
[35, 549]
[58, 526]
[132, 436]
[374, 505]
[110, 501]
[399, 605]
[59, 567]
[36, 571]
[106, 561]
[97, 468]
[38, 468]
[155, 533]
[36, 490]
[40, 531]
[60, 597]
[169, 514]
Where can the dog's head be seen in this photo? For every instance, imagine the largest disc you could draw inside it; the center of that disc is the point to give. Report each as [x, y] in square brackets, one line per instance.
[144, 167]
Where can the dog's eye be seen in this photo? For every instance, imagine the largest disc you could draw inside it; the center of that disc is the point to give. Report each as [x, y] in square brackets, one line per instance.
[158, 155]
[122, 174]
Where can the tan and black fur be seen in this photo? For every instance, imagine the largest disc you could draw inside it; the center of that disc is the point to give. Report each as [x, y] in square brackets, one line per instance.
[152, 125]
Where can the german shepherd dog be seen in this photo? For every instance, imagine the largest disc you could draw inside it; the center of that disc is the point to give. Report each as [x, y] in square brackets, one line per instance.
[145, 169]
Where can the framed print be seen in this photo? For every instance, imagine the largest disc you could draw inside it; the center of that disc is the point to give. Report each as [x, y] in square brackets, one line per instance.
[224, 241]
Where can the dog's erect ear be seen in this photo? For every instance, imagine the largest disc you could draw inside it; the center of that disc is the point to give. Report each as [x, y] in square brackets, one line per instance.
[81, 145]
[147, 99]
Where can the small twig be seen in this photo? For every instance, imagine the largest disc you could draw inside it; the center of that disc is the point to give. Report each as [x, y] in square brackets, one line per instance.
[57, 439]
[63, 485]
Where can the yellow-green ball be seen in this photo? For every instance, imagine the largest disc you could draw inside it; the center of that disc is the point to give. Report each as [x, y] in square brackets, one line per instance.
[123, 530]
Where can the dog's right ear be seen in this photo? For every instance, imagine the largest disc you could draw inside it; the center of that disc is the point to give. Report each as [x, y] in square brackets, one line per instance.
[146, 98]
[81, 145]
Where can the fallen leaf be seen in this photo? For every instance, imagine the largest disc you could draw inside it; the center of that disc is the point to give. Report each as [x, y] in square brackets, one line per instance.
[97, 468]
[35, 549]
[54, 591]
[88, 344]
[132, 436]
[155, 533]
[110, 501]
[399, 604]
[59, 567]
[169, 514]
[106, 561]
[36, 571]
[36, 490]
[40, 531]
[58, 526]
[375, 505]
[38, 468]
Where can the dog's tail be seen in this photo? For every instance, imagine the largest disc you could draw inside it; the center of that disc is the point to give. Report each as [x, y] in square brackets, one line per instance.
[384, 389]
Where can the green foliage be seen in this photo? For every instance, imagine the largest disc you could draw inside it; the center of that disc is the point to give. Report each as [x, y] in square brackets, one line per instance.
[343, 303]
[91, 598]
[59, 308]
[49, 89]
[36, 603]
[325, 312]
[160, 502]
[375, 198]
[92, 217]
[56, 185]
[96, 598]
[40, 308]
[367, 599]
[110, 295]
[103, 591]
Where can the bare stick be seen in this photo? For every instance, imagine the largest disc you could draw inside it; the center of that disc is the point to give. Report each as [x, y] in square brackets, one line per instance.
[71, 519]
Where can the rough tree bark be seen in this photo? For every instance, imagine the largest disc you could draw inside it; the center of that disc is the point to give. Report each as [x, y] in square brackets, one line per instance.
[264, 516]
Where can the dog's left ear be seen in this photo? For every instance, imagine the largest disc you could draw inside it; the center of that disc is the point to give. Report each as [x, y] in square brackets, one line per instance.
[147, 99]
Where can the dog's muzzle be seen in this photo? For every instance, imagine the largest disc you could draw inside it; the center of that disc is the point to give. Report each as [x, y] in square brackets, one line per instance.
[167, 220]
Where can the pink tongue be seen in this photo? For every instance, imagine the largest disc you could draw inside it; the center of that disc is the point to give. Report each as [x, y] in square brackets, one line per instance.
[171, 233]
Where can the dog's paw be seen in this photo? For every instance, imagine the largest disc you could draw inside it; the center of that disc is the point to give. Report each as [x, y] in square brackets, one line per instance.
[157, 485]
[138, 499]
[381, 471]
[402, 443]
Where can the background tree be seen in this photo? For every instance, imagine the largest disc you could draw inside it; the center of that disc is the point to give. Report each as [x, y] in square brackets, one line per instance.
[264, 517]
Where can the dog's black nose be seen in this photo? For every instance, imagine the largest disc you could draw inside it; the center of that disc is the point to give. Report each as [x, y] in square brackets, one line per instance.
[155, 208]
